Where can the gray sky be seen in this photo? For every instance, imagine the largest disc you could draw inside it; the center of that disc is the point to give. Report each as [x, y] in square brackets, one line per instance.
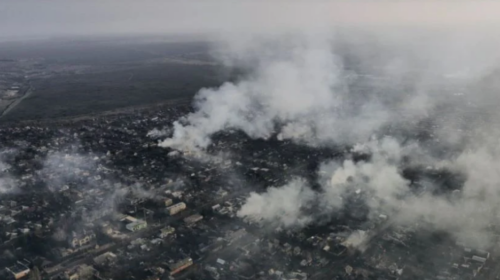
[78, 17]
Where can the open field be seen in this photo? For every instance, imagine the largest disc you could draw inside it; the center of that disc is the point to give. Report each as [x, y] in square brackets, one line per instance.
[72, 78]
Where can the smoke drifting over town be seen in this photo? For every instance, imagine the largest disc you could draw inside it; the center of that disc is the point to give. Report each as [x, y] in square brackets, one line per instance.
[294, 196]
[7, 184]
[406, 102]
[243, 139]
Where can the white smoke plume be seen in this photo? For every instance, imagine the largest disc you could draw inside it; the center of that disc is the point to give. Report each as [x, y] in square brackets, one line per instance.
[300, 87]
[469, 215]
[379, 178]
[7, 182]
[294, 197]
[61, 168]
[285, 88]
[473, 212]
[157, 133]
[322, 85]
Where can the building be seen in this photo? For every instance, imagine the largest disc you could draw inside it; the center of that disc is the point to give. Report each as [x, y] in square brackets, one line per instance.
[193, 219]
[479, 259]
[79, 272]
[213, 272]
[180, 266]
[168, 202]
[35, 274]
[176, 208]
[78, 239]
[126, 218]
[221, 193]
[235, 235]
[166, 231]
[19, 270]
[137, 225]
[105, 258]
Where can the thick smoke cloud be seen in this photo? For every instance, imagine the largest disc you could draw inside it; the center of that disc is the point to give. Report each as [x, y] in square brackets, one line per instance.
[378, 182]
[468, 214]
[322, 87]
[423, 97]
[295, 197]
[379, 177]
[288, 85]
[472, 212]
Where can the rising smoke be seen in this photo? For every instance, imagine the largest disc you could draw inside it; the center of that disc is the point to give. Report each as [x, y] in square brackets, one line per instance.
[7, 183]
[294, 196]
[428, 97]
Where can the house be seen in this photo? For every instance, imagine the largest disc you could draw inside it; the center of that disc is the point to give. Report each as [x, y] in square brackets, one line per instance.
[166, 231]
[80, 272]
[221, 193]
[105, 258]
[193, 219]
[137, 225]
[168, 202]
[81, 238]
[176, 208]
[19, 270]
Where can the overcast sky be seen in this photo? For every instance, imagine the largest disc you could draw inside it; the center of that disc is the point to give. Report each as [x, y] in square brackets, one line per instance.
[86, 17]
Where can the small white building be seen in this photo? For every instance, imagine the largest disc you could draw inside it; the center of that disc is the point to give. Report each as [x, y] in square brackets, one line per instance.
[193, 219]
[176, 208]
[137, 225]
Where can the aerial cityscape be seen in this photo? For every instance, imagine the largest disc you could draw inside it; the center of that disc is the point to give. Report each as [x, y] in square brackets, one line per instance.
[330, 145]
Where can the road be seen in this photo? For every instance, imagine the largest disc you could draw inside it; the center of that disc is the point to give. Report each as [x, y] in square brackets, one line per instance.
[27, 94]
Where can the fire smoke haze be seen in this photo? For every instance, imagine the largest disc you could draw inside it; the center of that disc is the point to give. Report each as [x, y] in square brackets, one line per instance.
[368, 74]
[412, 85]
[74, 17]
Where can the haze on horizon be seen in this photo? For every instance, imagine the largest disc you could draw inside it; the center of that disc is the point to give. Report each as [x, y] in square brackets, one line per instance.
[39, 18]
